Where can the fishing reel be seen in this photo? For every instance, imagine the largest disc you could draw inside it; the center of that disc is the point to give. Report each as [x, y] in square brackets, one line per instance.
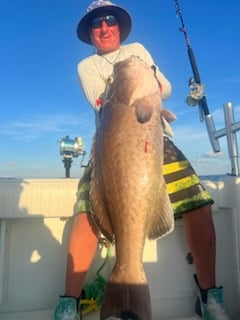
[196, 93]
[70, 148]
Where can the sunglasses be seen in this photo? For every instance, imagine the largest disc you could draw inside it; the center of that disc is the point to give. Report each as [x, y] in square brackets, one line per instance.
[109, 19]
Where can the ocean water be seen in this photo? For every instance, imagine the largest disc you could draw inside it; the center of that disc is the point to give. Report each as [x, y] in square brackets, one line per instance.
[212, 177]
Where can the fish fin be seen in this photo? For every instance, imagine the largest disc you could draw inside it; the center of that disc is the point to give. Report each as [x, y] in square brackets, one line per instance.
[168, 115]
[97, 203]
[163, 219]
[167, 129]
[143, 110]
[99, 212]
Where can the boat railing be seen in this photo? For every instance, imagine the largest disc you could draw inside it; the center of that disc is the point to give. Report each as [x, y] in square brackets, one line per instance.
[230, 131]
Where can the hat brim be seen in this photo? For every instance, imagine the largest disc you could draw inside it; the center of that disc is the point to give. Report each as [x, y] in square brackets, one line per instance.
[121, 14]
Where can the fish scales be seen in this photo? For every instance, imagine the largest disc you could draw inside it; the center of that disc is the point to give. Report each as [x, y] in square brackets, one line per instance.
[128, 193]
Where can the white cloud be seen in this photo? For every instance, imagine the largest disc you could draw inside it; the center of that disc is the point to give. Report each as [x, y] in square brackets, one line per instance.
[34, 127]
[215, 155]
[193, 141]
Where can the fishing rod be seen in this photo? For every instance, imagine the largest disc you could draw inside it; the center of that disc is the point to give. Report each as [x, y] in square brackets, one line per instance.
[197, 93]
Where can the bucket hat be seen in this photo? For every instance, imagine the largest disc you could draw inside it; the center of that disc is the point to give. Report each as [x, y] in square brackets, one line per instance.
[102, 6]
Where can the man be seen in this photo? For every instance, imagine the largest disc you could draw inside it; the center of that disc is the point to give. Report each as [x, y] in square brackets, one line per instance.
[106, 26]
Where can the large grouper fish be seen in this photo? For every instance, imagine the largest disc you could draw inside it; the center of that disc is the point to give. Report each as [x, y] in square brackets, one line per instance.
[128, 194]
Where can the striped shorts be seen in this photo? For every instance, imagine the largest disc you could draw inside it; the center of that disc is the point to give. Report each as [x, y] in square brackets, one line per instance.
[185, 190]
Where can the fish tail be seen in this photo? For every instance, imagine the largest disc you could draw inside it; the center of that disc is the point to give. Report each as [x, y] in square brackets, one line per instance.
[126, 301]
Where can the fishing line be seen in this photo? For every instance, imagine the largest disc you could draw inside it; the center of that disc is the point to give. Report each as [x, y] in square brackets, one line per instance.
[197, 95]
[197, 89]
[94, 291]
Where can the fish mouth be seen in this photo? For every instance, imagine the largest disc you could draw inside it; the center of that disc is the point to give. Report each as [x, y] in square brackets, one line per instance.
[134, 69]
[130, 62]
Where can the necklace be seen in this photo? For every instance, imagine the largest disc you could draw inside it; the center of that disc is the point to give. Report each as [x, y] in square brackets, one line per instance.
[114, 60]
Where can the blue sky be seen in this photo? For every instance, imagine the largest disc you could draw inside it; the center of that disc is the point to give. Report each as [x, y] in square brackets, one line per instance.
[41, 100]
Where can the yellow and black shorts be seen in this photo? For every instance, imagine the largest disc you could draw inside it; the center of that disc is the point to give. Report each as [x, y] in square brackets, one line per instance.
[183, 185]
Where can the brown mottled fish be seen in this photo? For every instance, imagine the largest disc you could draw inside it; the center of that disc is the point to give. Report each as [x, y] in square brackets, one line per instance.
[128, 193]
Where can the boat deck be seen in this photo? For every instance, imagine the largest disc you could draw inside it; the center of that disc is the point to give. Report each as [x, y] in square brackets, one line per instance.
[48, 315]
[34, 229]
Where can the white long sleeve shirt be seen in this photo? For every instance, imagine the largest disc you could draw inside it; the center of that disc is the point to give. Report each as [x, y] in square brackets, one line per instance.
[94, 71]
